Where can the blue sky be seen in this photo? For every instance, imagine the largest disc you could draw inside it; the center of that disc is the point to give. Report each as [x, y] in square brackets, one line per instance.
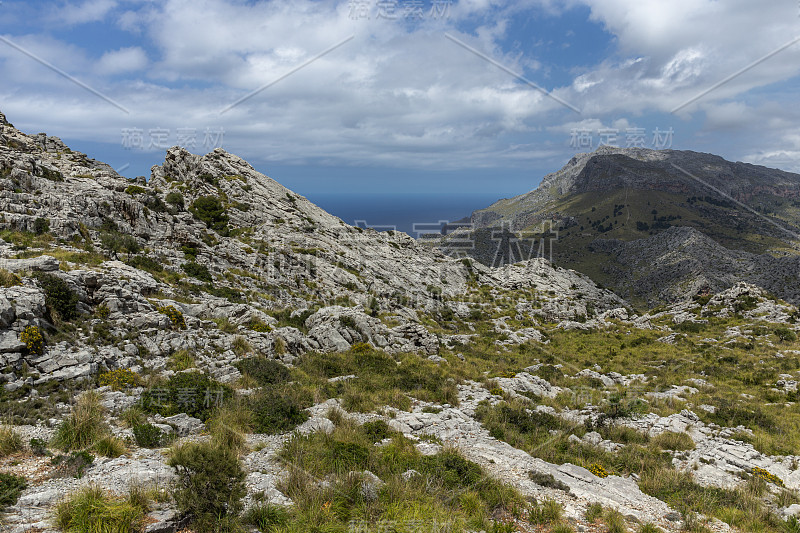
[399, 106]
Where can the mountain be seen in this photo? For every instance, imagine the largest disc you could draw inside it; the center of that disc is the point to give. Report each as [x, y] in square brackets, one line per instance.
[207, 351]
[616, 211]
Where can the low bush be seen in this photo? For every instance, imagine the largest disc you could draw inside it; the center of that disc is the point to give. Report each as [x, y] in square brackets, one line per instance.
[210, 210]
[276, 412]
[148, 435]
[11, 486]
[193, 393]
[61, 301]
[38, 446]
[547, 480]
[197, 271]
[74, 464]
[264, 371]
[119, 379]
[174, 315]
[210, 482]
[33, 339]
[175, 198]
[41, 226]
[377, 430]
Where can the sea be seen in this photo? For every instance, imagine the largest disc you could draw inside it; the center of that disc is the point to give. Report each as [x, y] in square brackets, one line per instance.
[413, 213]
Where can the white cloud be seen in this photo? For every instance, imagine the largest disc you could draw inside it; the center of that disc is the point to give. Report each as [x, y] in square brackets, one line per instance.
[128, 59]
[84, 12]
[402, 94]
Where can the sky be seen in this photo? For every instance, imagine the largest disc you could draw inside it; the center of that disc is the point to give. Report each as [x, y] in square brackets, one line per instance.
[479, 97]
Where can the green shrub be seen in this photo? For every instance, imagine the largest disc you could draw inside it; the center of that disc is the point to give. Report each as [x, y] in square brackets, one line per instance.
[41, 226]
[594, 512]
[175, 198]
[73, 464]
[143, 262]
[59, 298]
[547, 480]
[11, 487]
[193, 393]
[210, 482]
[785, 334]
[276, 412]
[84, 426]
[116, 242]
[451, 469]
[10, 441]
[264, 371]
[92, 511]
[147, 435]
[198, 271]
[210, 210]
[38, 446]
[134, 189]
[377, 430]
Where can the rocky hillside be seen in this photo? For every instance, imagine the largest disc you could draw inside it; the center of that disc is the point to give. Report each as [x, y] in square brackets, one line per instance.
[208, 327]
[614, 210]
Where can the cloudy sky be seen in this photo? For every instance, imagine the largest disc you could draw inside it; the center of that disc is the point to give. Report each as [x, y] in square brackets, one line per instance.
[480, 96]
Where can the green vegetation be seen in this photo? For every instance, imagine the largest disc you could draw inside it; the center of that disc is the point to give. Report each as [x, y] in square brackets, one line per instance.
[84, 426]
[41, 226]
[115, 242]
[134, 189]
[264, 371]
[109, 446]
[198, 271]
[59, 298]
[11, 486]
[341, 456]
[193, 393]
[210, 483]
[147, 435]
[9, 279]
[209, 209]
[91, 510]
[10, 441]
[175, 198]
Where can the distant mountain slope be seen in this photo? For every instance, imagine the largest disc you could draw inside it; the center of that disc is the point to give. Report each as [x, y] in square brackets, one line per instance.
[636, 194]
